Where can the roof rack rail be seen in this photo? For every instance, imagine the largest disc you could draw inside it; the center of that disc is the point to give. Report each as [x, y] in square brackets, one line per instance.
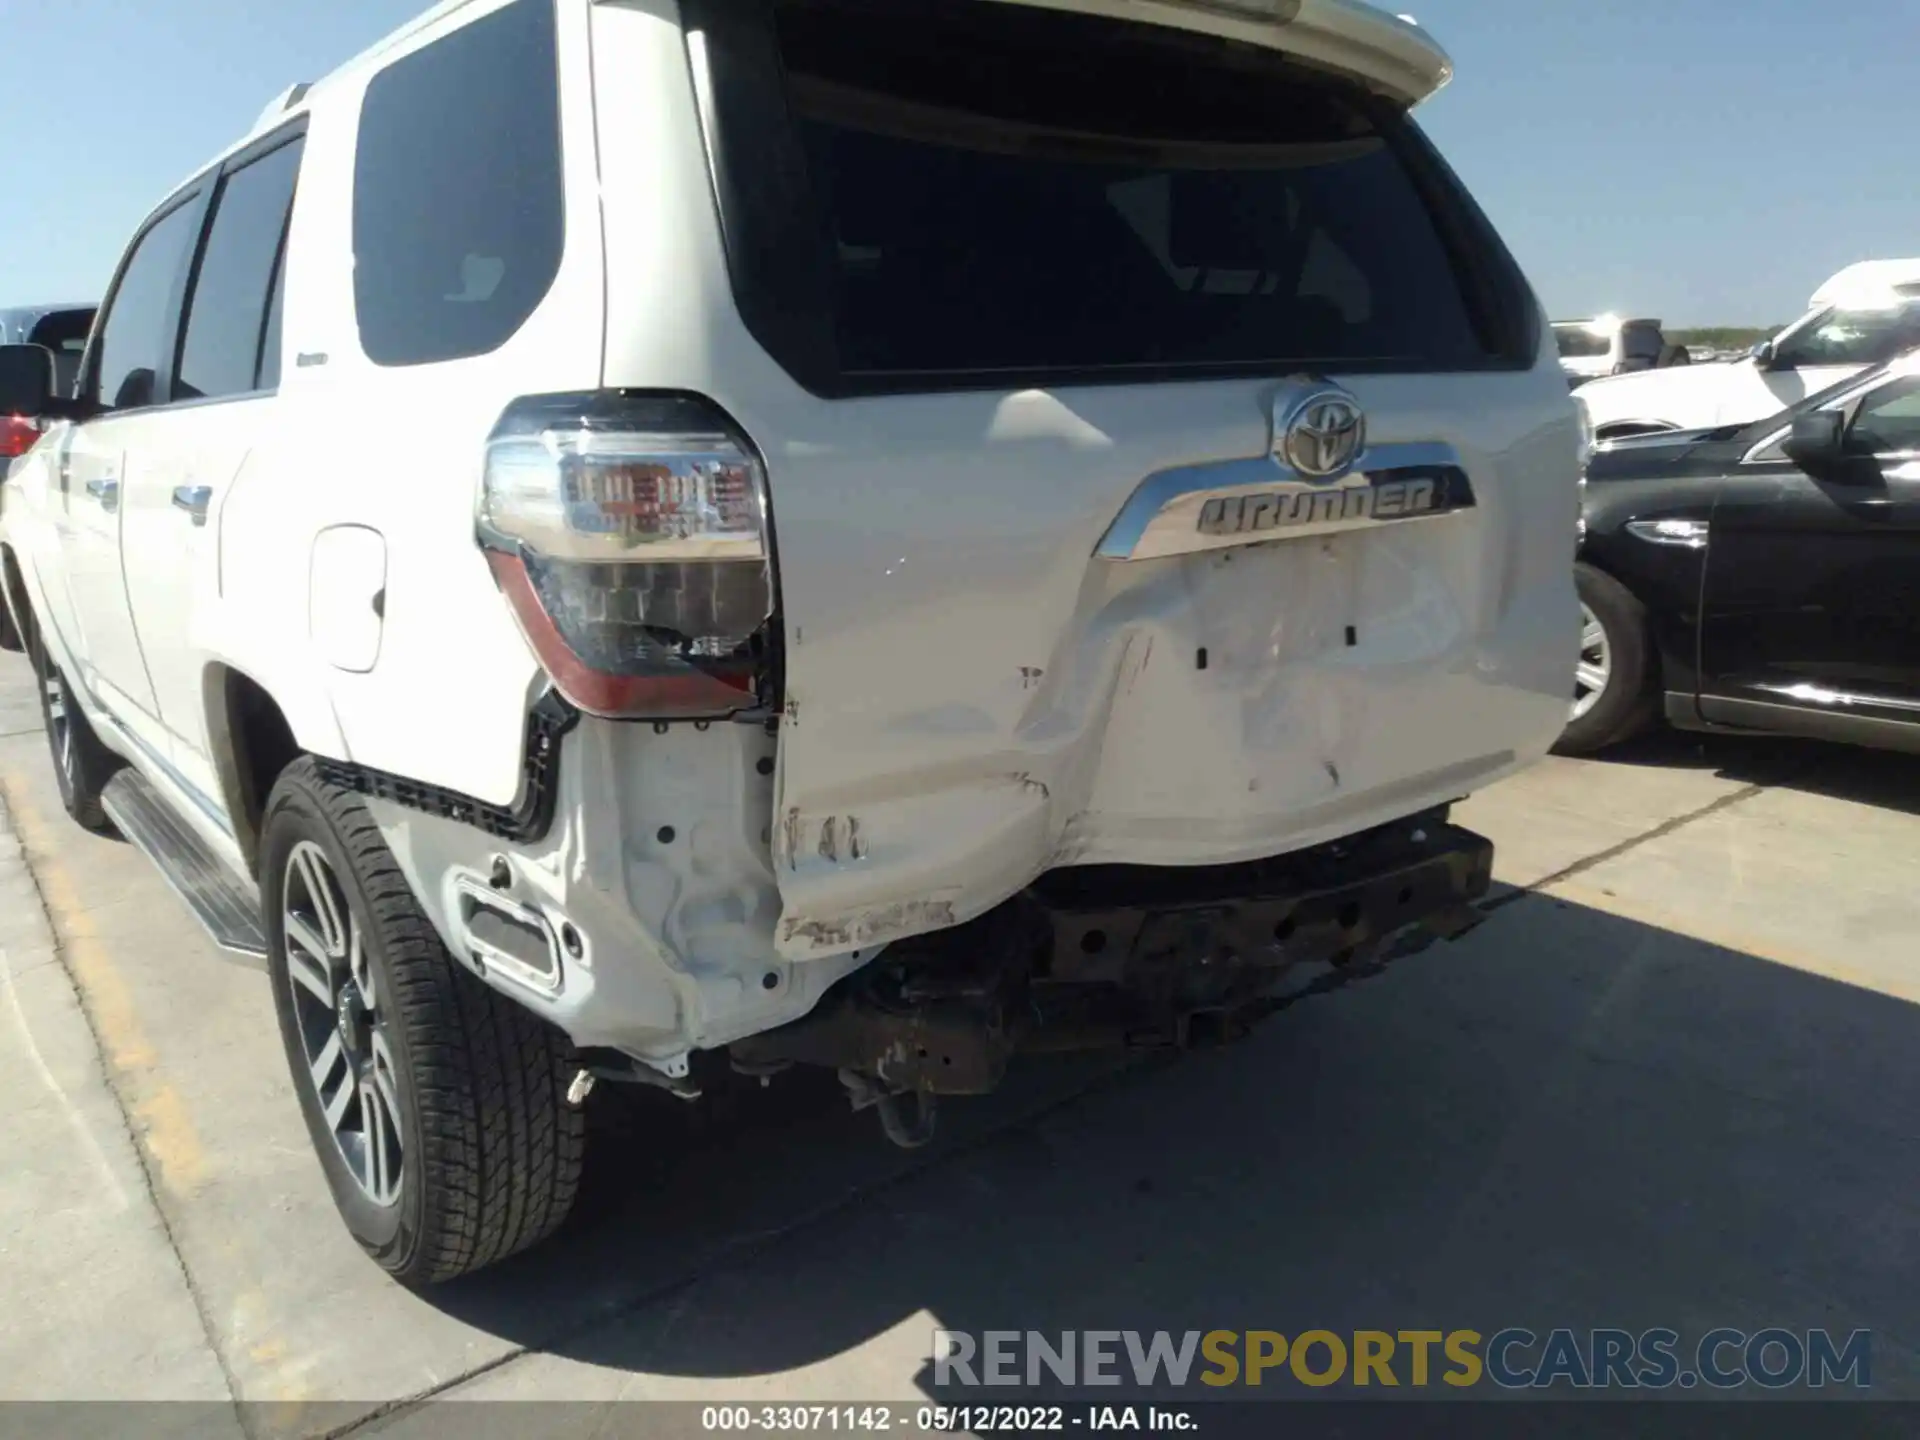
[284, 102]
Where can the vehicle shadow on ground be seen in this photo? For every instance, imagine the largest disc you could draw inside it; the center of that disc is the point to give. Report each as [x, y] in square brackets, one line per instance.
[1567, 1119]
[1886, 778]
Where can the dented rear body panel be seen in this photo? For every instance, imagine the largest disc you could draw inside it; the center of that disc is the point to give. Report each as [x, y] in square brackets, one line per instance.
[1168, 472]
[972, 705]
[1051, 593]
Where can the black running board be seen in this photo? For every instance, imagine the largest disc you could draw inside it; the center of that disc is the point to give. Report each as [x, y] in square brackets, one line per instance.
[219, 899]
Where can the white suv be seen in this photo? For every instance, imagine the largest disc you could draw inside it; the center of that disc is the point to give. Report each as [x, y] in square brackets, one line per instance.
[1609, 345]
[1862, 317]
[605, 541]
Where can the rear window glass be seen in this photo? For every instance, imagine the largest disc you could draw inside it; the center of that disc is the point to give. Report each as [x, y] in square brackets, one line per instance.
[995, 190]
[65, 333]
[1642, 341]
[1582, 342]
[62, 330]
[458, 217]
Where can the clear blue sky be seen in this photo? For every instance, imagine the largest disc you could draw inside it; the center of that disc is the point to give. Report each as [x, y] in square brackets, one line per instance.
[1706, 161]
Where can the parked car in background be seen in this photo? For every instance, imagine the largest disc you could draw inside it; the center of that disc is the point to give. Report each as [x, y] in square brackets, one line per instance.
[1758, 577]
[1609, 345]
[403, 577]
[1862, 317]
[62, 329]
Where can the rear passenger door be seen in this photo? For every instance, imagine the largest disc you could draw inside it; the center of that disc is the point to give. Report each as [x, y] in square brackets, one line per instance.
[221, 386]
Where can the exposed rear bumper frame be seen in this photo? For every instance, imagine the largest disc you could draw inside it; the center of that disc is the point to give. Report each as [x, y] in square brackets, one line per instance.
[1136, 957]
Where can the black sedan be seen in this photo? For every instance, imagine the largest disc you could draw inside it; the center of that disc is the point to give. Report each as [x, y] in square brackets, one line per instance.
[1764, 577]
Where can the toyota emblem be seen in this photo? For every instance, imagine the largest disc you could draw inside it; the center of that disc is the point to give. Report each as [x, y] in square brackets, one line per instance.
[1321, 434]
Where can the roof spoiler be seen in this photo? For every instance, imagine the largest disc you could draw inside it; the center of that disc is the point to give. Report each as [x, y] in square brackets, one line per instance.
[1867, 283]
[285, 101]
[1390, 54]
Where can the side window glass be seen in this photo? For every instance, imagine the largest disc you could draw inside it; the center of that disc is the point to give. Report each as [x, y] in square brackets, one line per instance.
[458, 218]
[1889, 422]
[1849, 337]
[228, 313]
[134, 336]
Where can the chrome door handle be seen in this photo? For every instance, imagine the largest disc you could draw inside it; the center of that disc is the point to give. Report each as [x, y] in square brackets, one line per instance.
[107, 492]
[193, 499]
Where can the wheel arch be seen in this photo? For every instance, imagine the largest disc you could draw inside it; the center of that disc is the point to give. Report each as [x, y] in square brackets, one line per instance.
[253, 734]
[1659, 661]
[23, 587]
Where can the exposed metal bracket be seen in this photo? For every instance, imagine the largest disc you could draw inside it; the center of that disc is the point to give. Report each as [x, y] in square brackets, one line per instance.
[529, 820]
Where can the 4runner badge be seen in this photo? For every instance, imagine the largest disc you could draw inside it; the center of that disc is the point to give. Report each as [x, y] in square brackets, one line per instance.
[1321, 474]
[1396, 499]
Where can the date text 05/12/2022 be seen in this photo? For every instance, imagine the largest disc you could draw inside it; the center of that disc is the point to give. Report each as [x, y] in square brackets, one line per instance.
[945, 1419]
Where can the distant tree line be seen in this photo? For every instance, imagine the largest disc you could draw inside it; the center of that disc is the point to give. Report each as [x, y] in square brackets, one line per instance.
[1723, 337]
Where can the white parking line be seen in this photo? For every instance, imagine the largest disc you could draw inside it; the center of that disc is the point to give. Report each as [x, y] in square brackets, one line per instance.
[95, 1155]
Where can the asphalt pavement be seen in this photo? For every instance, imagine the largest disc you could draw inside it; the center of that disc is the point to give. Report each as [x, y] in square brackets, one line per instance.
[1670, 1081]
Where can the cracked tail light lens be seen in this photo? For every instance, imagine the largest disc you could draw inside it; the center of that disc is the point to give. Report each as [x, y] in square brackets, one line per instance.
[630, 536]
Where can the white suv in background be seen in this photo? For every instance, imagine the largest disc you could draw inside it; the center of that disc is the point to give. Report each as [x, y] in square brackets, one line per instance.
[1862, 317]
[605, 540]
[1609, 345]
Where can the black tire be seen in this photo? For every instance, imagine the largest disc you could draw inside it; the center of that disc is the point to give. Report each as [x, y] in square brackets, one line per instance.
[490, 1150]
[81, 764]
[1626, 703]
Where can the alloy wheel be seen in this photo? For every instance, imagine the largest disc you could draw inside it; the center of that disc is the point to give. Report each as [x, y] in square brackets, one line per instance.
[1595, 667]
[343, 1030]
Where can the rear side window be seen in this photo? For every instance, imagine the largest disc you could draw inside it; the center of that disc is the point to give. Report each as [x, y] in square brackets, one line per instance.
[223, 353]
[458, 221]
[993, 191]
[136, 332]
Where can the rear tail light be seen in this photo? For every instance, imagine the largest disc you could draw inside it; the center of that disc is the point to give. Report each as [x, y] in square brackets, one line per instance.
[630, 536]
[18, 435]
